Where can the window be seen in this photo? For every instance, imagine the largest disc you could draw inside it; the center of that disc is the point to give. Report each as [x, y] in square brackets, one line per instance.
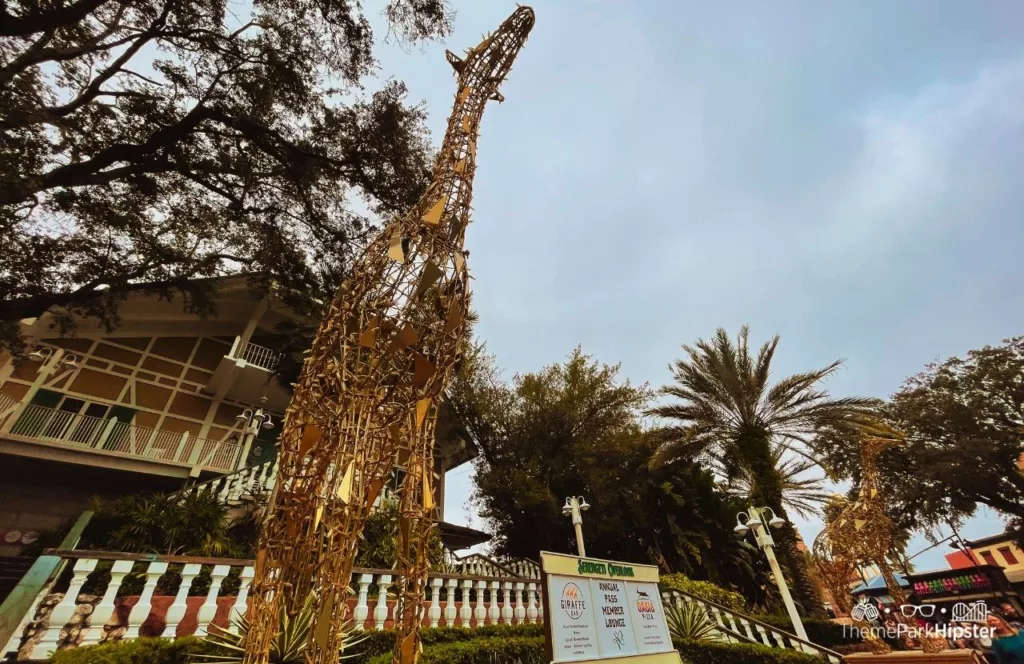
[1008, 555]
[989, 558]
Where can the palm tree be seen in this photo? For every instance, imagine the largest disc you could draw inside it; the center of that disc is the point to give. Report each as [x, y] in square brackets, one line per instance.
[802, 494]
[725, 408]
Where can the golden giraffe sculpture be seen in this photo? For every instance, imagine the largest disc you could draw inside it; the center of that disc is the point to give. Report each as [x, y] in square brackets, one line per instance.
[864, 533]
[369, 392]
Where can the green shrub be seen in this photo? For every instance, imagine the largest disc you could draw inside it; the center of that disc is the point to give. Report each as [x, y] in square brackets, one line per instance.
[136, 651]
[704, 590]
[487, 650]
[822, 632]
[709, 652]
[382, 642]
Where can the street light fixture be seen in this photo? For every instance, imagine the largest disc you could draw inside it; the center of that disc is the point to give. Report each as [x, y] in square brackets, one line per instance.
[251, 423]
[757, 519]
[574, 507]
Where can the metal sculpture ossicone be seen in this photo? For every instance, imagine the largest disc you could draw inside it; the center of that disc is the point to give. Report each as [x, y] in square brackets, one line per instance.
[369, 391]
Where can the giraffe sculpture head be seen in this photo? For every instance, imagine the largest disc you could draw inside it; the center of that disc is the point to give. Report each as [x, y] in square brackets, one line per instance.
[485, 66]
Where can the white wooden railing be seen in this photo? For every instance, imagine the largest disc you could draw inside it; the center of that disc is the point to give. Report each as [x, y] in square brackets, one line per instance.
[253, 482]
[38, 424]
[260, 356]
[63, 620]
[738, 628]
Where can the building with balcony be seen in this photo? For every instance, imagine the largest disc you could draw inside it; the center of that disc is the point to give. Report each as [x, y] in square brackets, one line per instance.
[163, 401]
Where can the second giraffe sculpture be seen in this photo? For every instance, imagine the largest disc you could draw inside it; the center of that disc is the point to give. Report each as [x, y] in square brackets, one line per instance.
[864, 533]
[370, 389]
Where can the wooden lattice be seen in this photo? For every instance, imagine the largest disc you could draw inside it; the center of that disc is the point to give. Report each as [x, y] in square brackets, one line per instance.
[864, 533]
[369, 391]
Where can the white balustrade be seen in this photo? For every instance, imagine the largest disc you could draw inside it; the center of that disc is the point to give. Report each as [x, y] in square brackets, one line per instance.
[531, 602]
[466, 611]
[480, 611]
[493, 612]
[208, 611]
[140, 612]
[63, 612]
[506, 600]
[435, 601]
[520, 610]
[176, 611]
[239, 608]
[362, 610]
[105, 609]
[506, 607]
[380, 612]
[450, 610]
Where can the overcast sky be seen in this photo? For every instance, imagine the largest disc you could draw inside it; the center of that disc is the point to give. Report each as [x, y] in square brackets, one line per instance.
[845, 174]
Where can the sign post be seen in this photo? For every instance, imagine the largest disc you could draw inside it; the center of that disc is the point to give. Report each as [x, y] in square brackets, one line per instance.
[604, 611]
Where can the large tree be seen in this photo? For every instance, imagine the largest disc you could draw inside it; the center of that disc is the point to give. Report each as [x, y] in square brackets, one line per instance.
[574, 428]
[722, 405]
[151, 143]
[962, 421]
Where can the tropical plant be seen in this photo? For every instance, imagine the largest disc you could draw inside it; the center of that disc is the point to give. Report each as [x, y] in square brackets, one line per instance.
[689, 621]
[707, 591]
[289, 644]
[194, 524]
[724, 407]
[802, 494]
[378, 545]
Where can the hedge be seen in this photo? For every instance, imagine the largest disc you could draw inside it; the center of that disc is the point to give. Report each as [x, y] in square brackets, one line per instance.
[150, 650]
[821, 632]
[704, 590]
[382, 642]
[713, 652]
[490, 650]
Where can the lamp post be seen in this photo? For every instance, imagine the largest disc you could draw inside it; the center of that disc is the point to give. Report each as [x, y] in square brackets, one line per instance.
[757, 519]
[574, 507]
[251, 422]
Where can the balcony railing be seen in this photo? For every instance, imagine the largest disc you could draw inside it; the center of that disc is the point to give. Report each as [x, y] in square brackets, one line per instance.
[113, 437]
[261, 356]
[95, 607]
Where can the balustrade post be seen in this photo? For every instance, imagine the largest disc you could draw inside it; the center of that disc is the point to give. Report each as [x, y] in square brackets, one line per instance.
[176, 611]
[435, 600]
[105, 609]
[65, 609]
[141, 610]
[480, 611]
[540, 604]
[208, 611]
[520, 610]
[466, 611]
[380, 612]
[240, 608]
[506, 605]
[450, 610]
[362, 611]
[531, 602]
[493, 611]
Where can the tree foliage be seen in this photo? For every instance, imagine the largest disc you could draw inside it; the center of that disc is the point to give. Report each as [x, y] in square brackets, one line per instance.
[152, 143]
[963, 425]
[723, 407]
[574, 428]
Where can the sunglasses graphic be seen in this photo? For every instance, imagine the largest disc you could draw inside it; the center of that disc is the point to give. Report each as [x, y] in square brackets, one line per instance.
[923, 610]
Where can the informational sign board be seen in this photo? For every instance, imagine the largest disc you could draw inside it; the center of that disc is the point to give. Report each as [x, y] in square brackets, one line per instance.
[604, 611]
